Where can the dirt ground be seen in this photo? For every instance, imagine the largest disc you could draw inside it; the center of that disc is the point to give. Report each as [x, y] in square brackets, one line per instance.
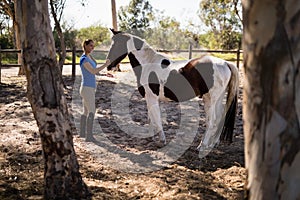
[109, 174]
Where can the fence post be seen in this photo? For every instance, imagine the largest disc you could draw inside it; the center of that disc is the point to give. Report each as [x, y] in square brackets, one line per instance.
[73, 62]
[190, 50]
[238, 54]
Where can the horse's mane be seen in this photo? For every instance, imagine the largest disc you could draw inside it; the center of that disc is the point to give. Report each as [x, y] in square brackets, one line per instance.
[150, 52]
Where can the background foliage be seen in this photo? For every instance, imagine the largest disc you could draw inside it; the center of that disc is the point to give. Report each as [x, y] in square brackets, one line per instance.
[221, 28]
[223, 21]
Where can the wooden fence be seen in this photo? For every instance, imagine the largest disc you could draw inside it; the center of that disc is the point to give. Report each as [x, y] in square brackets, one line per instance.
[74, 51]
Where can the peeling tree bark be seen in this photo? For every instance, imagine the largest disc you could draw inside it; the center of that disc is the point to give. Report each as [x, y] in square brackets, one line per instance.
[45, 94]
[272, 98]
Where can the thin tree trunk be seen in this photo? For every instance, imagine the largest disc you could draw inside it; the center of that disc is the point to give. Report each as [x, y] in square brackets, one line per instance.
[18, 45]
[272, 98]
[45, 94]
[7, 8]
[114, 15]
[62, 50]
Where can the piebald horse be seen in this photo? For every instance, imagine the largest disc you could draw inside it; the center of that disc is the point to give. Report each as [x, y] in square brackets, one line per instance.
[159, 78]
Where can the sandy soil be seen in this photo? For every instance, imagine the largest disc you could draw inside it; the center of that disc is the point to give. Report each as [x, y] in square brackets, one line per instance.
[125, 163]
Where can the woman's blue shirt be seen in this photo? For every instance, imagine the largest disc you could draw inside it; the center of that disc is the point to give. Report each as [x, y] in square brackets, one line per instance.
[88, 79]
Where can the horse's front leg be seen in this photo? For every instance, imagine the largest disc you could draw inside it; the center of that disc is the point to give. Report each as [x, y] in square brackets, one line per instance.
[154, 114]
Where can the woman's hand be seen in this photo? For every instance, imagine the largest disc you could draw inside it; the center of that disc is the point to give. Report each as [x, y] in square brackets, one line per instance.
[106, 64]
[109, 75]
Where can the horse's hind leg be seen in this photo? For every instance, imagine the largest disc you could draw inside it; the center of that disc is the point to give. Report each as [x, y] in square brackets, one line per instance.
[214, 110]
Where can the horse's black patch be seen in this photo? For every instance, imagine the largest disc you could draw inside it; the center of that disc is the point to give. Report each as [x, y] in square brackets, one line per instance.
[178, 88]
[200, 75]
[137, 69]
[206, 72]
[165, 63]
[153, 83]
[138, 43]
[152, 79]
[115, 32]
[118, 50]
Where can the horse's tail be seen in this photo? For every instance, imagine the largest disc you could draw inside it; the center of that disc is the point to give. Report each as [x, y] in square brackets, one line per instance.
[231, 104]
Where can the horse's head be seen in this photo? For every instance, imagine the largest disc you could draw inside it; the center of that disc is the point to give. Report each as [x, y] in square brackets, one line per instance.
[118, 50]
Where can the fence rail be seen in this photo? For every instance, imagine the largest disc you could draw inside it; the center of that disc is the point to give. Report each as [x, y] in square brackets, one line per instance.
[75, 51]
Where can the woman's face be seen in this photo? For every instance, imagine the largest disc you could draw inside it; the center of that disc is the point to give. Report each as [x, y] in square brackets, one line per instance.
[89, 47]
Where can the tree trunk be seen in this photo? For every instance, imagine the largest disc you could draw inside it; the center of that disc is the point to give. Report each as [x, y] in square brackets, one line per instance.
[45, 94]
[114, 15]
[272, 98]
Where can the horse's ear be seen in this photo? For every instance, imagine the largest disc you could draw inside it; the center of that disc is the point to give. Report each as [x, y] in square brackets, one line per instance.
[114, 32]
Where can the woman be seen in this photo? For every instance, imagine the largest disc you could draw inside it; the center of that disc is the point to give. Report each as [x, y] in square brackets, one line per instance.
[89, 68]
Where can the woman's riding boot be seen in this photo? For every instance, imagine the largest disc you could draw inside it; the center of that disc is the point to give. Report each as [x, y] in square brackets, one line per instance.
[82, 126]
[89, 128]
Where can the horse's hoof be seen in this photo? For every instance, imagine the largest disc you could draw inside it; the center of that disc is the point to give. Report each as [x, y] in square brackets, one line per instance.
[162, 138]
[163, 141]
[203, 151]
